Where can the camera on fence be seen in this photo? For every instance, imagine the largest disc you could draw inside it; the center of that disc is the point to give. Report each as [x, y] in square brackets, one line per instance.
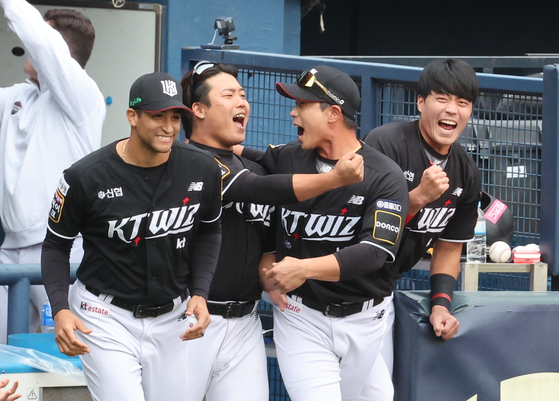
[224, 26]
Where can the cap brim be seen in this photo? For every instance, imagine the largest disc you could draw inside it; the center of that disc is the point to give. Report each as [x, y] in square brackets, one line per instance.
[294, 91]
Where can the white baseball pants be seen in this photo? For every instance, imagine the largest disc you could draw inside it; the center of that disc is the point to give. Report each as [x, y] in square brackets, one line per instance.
[130, 358]
[229, 362]
[323, 358]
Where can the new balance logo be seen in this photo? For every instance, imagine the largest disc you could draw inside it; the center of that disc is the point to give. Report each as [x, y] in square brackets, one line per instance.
[458, 191]
[356, 200]
[169, 87]
[196, 186]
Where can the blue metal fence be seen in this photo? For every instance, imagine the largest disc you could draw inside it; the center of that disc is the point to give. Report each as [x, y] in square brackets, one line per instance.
[504, 134]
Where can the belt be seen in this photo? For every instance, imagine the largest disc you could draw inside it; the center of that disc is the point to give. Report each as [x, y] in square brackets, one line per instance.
[139, 311]
[341, 309]
[231, 309]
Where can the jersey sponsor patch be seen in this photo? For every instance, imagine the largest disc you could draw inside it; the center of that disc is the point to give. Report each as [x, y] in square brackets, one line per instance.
[389, 205]
[63, 186]
[57, 203]
[293, 307]
[387, 226]
[94, 308]
[110, 193]
[56, 206]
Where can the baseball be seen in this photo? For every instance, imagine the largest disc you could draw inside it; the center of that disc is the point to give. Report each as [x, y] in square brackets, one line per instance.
[499, 252]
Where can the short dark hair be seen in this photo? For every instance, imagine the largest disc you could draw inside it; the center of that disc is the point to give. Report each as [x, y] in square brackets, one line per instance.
[200, 90]
[449, 77]
[77, 31]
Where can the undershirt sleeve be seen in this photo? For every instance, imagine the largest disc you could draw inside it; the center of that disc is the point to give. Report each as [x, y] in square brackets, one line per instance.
[205, 252]
[55, 268]
[252, 154]
[276, 189]
[359, 259]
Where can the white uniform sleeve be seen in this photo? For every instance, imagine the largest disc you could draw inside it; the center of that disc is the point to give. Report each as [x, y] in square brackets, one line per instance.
[75, 92]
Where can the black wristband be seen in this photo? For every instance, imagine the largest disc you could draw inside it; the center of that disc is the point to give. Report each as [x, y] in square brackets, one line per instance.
[442, 288]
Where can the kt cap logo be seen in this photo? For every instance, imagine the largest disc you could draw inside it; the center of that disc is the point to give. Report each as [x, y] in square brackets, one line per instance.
[169, 87]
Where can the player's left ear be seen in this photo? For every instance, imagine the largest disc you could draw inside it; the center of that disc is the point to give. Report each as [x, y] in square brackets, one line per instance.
[335, 113]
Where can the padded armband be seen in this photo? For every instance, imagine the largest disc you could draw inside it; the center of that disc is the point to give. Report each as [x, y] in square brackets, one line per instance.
[442, 288]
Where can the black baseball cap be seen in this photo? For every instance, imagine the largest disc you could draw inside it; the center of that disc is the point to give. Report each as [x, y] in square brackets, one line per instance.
[155, 92]
[324, 84]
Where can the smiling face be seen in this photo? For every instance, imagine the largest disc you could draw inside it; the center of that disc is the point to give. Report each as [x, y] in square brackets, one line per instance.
[311, 121]
[223, 123]
[443, 118]
[152, 136]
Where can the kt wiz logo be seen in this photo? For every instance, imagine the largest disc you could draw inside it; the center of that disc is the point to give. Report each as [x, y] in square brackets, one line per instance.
[169, 87]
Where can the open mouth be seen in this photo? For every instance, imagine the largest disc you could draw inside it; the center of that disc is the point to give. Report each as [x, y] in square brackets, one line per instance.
[447, 124]
[300, 131]
[239, 120]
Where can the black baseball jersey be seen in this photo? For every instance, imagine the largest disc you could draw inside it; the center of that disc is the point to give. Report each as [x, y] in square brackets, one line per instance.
[140, 225]
[367, 215]
[452, 217]
[246, 229]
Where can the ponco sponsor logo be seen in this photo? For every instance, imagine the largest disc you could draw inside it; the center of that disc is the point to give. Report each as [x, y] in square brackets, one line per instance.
[388, 227]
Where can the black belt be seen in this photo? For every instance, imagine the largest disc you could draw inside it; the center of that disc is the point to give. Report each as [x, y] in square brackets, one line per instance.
[139, 311]
[342, 309]
[231, 309]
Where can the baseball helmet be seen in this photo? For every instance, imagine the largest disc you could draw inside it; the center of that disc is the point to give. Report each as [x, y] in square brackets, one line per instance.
[499, 219]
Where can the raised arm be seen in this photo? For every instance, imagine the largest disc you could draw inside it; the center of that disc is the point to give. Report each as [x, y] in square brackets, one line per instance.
[278, 189]
[70, 86]
[434, 182]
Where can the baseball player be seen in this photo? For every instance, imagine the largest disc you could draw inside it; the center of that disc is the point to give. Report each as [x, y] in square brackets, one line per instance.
[443, 181]
[46, 124]
[148, 209]
[230, 361]
[330, 283]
